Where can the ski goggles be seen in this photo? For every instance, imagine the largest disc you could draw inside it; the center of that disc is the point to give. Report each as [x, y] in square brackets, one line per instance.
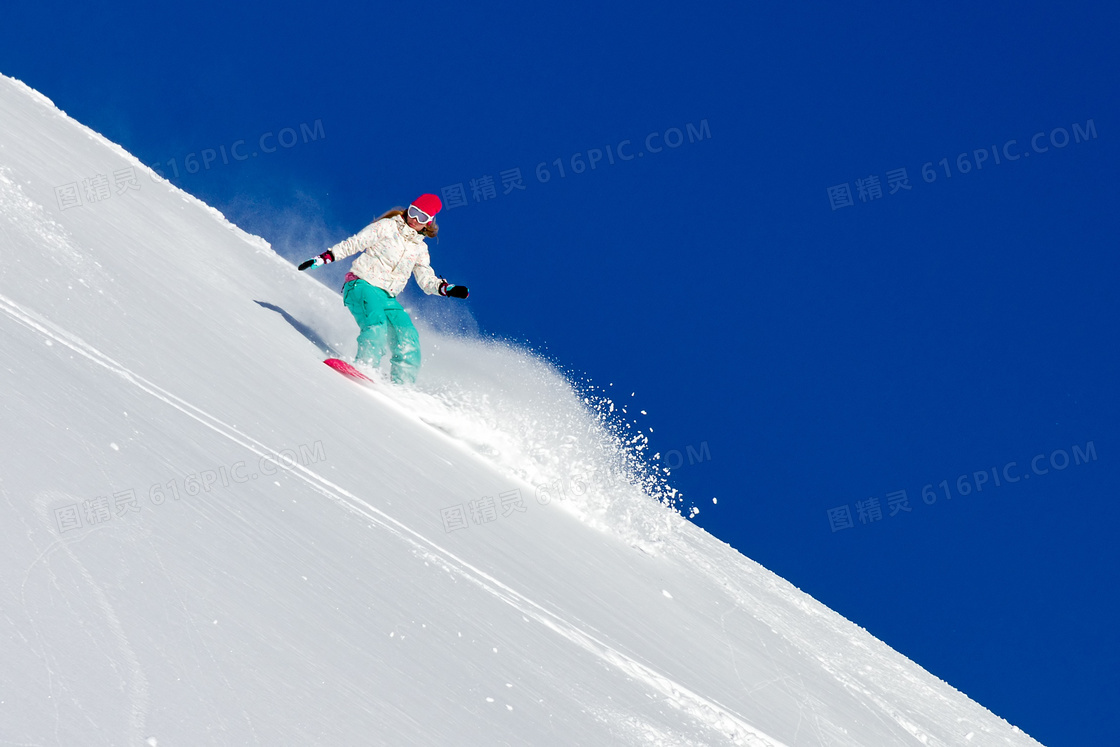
[418, 214]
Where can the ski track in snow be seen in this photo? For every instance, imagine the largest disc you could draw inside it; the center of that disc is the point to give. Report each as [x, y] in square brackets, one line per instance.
[136, 681]
[705, 710]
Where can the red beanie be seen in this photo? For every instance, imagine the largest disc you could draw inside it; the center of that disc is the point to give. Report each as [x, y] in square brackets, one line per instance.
[430, 204]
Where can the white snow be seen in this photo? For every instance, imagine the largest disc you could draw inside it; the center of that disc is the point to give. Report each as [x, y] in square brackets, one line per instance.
[263, 554]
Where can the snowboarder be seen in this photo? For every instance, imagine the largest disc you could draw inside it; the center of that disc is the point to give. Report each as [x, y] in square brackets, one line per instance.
[393, 248]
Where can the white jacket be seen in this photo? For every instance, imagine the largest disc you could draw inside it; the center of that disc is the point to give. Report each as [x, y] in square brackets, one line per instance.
[392, 252]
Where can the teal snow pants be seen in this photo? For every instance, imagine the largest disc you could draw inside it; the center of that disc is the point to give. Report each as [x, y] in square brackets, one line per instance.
[382, 320]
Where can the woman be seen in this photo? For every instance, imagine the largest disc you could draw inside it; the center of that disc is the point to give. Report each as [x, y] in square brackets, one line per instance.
[393, 248]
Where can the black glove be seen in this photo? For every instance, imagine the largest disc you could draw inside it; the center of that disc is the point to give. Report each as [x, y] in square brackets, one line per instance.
[453, 291]
[323, 259]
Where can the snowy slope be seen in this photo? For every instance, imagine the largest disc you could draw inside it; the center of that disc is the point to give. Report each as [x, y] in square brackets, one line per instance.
[153, 351]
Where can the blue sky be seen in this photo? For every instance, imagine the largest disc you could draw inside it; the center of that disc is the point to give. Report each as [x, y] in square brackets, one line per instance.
[814, 350]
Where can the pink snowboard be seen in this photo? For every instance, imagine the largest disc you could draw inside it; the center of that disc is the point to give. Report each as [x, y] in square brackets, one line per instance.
[348, 371]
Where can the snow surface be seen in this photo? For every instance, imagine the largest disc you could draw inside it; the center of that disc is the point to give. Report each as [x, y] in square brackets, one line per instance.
[150, 346]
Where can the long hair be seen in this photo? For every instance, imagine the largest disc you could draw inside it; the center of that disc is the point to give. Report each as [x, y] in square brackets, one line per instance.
[430, 230]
